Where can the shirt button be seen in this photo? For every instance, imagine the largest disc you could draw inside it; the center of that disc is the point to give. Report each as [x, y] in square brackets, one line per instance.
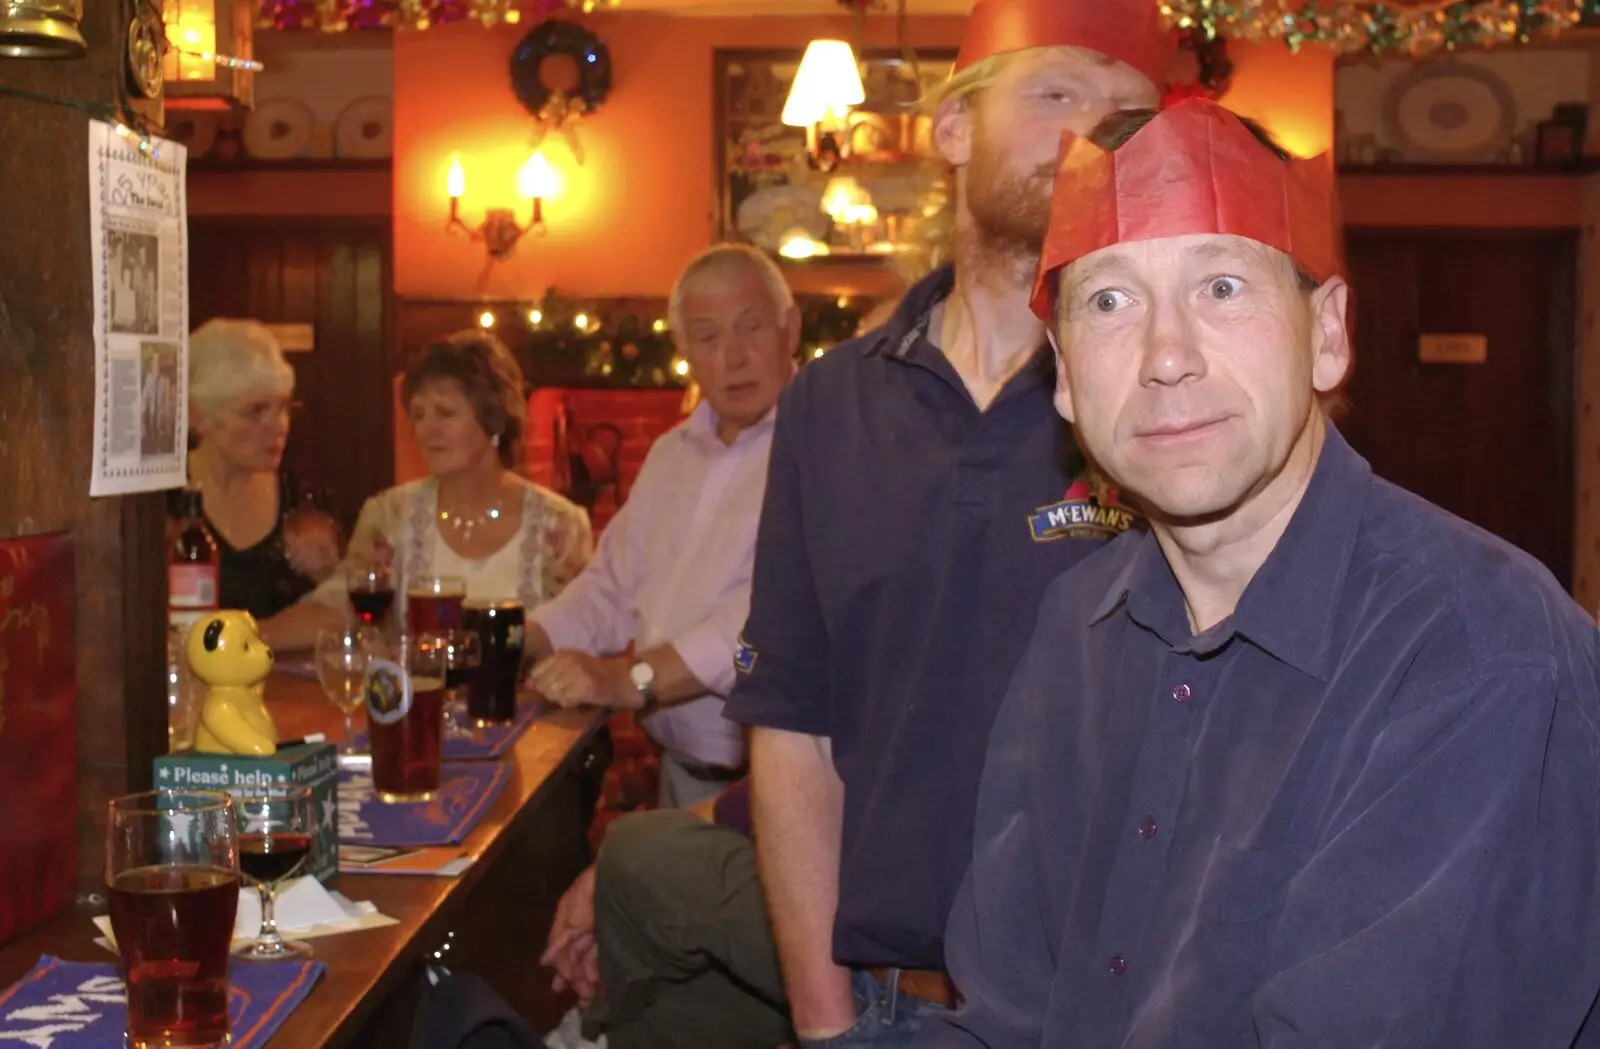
[1182, 692]
[1147, 828]
[1117, 965]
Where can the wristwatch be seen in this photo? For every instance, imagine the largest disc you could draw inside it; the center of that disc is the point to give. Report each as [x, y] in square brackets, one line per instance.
[643, 676]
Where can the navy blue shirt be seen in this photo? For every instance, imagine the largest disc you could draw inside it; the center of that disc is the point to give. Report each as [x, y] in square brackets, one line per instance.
[1363, 811]
[905, 542]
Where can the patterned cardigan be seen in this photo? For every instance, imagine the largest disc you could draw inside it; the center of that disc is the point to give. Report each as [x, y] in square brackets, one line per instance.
[555, 544]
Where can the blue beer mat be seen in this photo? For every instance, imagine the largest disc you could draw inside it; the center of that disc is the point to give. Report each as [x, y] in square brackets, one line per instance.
[484, 744]
[464, 795]
[492, 741]
[83, 1005]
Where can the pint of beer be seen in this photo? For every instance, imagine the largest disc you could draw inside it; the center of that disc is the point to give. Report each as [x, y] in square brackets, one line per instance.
[405, 717]
[172, 868]
[492, 689]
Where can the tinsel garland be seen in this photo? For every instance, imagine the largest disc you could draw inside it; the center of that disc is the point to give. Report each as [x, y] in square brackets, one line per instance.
[1379, 28]
[332, 16]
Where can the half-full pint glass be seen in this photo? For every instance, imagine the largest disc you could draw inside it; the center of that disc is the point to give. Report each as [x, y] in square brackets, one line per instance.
[405, 692]
[172, 868]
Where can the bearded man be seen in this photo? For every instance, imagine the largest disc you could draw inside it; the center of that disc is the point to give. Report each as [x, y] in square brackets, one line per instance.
[922, 493]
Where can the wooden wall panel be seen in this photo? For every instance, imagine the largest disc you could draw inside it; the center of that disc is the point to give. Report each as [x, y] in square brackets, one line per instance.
[46, 406]
[1490, 442]
[335, 277]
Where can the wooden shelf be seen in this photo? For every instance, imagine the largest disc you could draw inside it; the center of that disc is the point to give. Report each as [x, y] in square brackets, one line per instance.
[1588, 165]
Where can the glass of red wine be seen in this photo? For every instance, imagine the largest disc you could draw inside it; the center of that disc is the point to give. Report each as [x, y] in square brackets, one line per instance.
[276, 826]
[371, 591]
[172, 868]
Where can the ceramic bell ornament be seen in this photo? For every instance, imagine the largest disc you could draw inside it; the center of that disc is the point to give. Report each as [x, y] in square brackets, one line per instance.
[41, 29]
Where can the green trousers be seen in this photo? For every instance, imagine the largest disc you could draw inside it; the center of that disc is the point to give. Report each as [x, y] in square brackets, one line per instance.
[686, 955]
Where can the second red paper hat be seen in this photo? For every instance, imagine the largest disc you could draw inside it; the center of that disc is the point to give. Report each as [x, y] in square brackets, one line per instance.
[1128, 30]
[1193, 169]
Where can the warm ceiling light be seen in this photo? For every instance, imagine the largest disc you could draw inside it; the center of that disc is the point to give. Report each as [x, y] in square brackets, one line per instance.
[827, 84]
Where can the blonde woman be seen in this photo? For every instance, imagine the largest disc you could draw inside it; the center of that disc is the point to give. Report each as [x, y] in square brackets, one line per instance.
[275, 543]
[473, 517]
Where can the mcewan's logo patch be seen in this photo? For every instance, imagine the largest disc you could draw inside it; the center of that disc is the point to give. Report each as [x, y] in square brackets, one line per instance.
[1092, 509]
[744, 657]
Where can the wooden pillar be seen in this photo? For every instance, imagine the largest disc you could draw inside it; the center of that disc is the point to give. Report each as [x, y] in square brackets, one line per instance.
[46, 411]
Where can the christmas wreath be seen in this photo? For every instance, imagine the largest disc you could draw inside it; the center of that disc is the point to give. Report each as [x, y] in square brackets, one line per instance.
[553, 108]
[1214, 69]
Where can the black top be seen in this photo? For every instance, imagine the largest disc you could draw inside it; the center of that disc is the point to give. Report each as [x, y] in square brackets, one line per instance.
[259, 578]
[905, 542]
[1362, 811]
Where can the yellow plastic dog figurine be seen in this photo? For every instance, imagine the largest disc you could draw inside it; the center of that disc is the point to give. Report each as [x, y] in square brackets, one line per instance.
[227, 653]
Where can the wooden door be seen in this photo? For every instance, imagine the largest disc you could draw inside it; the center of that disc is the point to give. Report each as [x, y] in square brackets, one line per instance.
[334, 276]
[1491, 442]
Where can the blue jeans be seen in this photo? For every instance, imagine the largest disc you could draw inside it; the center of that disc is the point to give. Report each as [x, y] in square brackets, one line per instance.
[885, 1018]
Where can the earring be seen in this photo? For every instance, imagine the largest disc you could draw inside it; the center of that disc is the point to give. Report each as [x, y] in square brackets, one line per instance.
[495, 440]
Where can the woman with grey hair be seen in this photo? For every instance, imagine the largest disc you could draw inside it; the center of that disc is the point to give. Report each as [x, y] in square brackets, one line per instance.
[275, 546]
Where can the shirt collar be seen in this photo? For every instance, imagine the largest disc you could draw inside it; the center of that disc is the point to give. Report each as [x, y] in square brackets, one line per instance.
[1288, 607]
[701, 427]
[909, 323]
[905, 337]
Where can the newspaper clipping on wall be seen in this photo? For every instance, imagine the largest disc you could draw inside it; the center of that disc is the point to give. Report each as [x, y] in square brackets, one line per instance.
[138, 223]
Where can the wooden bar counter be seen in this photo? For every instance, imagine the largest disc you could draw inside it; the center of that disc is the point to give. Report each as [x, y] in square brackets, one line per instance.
[494, 916]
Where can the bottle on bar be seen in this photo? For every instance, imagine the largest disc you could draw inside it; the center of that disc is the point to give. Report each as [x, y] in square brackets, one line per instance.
[192, 564]
[192, 591]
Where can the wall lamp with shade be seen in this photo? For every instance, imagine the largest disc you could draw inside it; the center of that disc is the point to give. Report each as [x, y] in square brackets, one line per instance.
[826, 86]
[500, 230]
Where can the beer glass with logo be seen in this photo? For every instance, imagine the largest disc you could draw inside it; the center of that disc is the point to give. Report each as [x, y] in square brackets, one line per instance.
[492, 691]
[172, 868]
[405, 692]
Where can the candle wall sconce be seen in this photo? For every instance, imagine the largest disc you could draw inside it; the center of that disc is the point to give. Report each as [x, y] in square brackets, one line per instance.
[501, 230]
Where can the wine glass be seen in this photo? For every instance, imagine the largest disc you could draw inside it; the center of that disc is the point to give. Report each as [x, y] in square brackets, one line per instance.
[276, 827]
[463, 654]
[342, 657]
[371, 592]
[172, 868]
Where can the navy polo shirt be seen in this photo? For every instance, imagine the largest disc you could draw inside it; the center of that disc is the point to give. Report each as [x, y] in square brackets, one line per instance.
[1364, 810]
[905, 542]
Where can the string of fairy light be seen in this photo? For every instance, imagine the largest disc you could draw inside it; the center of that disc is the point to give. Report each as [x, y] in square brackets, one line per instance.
[555, 315]
[1382, 27]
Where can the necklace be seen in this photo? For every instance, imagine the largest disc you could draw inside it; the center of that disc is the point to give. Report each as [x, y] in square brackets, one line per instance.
[465, 526]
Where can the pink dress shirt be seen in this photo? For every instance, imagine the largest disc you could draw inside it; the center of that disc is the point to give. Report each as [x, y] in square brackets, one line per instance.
[673, 566]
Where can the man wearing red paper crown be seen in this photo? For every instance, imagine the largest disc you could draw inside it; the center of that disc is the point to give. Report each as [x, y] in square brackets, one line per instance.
[916, 508]
[1312, 762]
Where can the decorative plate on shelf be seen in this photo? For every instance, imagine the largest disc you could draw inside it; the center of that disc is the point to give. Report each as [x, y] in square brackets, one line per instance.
[1450, 112]
[278, 129]
[364, 129]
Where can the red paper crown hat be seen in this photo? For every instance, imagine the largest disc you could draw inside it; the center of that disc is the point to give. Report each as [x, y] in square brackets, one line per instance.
[1195, 168]
[1128, 30]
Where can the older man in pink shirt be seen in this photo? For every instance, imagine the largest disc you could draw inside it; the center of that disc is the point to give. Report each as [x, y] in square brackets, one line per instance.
[671, 576]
